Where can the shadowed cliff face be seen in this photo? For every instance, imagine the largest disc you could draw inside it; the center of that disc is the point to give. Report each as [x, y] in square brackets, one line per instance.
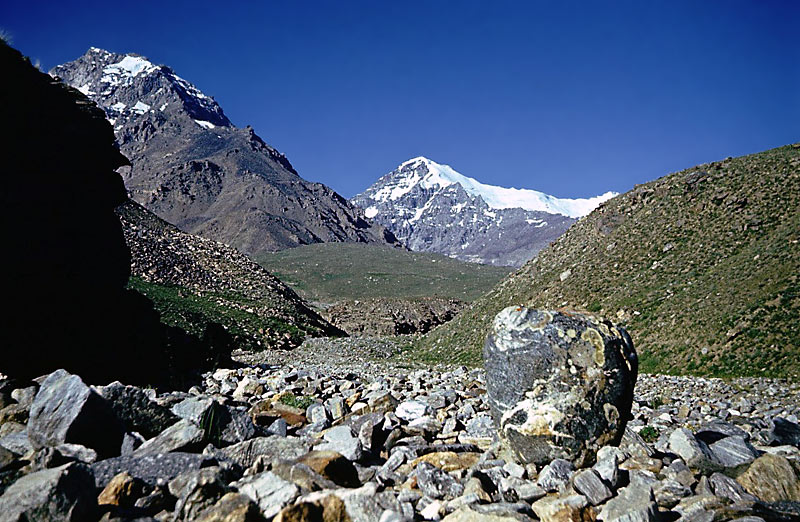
[65, 263]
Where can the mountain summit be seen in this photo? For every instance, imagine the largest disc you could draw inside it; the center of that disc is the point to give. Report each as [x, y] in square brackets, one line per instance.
[432, 208]
[192, 167]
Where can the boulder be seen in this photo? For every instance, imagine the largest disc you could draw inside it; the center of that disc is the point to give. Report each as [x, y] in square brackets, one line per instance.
[57, 494]
[136, 410]
[771, 478]
[560, 385]
[67, 410]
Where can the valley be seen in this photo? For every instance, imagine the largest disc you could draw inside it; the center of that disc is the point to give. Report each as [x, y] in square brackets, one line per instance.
[199, 333]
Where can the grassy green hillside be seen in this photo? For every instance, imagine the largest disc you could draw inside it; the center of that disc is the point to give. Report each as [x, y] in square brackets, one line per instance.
[336, 271]
[701, 266]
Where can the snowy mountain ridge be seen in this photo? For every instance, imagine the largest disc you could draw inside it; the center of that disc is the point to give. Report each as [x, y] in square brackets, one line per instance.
[431, 207]
[439, 175]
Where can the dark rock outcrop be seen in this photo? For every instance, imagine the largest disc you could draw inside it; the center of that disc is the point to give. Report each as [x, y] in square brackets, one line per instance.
[560, 384]
[65, 262]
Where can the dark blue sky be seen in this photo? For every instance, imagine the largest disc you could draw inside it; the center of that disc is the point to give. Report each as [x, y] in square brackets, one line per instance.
[572, 98]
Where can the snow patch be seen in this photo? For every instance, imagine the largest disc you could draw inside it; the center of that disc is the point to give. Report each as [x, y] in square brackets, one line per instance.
[130, 66]
[140, 108]
[371, 212]
[205, 124]
[85, 90]
[119, 106]
[163, 107]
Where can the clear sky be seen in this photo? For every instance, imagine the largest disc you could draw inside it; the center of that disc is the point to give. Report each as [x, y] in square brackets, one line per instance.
[571, 98]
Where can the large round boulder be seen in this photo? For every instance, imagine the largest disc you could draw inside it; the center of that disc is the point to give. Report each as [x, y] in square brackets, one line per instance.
[560, 384]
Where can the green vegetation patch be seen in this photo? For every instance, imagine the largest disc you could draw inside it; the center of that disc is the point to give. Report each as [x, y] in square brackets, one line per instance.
[244, 318]
[338, 271]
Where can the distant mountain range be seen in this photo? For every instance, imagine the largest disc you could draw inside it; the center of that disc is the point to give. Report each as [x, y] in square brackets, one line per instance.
[432, 208]
[192, 167]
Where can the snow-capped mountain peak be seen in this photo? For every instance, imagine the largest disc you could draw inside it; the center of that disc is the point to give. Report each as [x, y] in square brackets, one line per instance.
[428, 174]
[129, 86]
[432, 207]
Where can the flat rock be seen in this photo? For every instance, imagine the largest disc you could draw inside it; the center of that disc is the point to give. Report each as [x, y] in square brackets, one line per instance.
[589, 483]
[732, 452]
[274, 447]
[544, 369]
[149, 468]
[269, 491]
[181, 436]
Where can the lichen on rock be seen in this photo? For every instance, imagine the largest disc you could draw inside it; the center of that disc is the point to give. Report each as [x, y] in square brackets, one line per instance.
[560, 384]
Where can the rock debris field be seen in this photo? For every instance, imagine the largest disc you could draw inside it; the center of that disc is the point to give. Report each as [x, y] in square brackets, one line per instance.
[346, 442]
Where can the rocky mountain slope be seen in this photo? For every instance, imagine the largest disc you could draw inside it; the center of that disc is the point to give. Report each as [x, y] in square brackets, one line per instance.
[701, 266]
[432, 208]
[194, 281]
[192, 167]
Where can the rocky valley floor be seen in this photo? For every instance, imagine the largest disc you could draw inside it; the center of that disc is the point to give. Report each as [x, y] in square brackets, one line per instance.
[298, 437]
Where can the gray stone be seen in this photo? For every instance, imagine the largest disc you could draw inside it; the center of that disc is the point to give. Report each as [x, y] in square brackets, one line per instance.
[481, 426]
[136, 410]
[17, 443]
[436, 483]
[58, 494]
[669, 492]
[411, 410]
[149, 468]
[732, 452]
[556, 475]
[271, 448]
[725, 487]
[279, 427]
[181, 436]
[25, 396]
[335, 408]
[341, 440]
[608, 469]
[194, 409]
[589, 484]
[718, 430]
[784, 433]
[546, 368]
[634, 503]
[269, 491]
[6, 458]
[694, 452]
[236, 426]
[67, 410]
[196, 491]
